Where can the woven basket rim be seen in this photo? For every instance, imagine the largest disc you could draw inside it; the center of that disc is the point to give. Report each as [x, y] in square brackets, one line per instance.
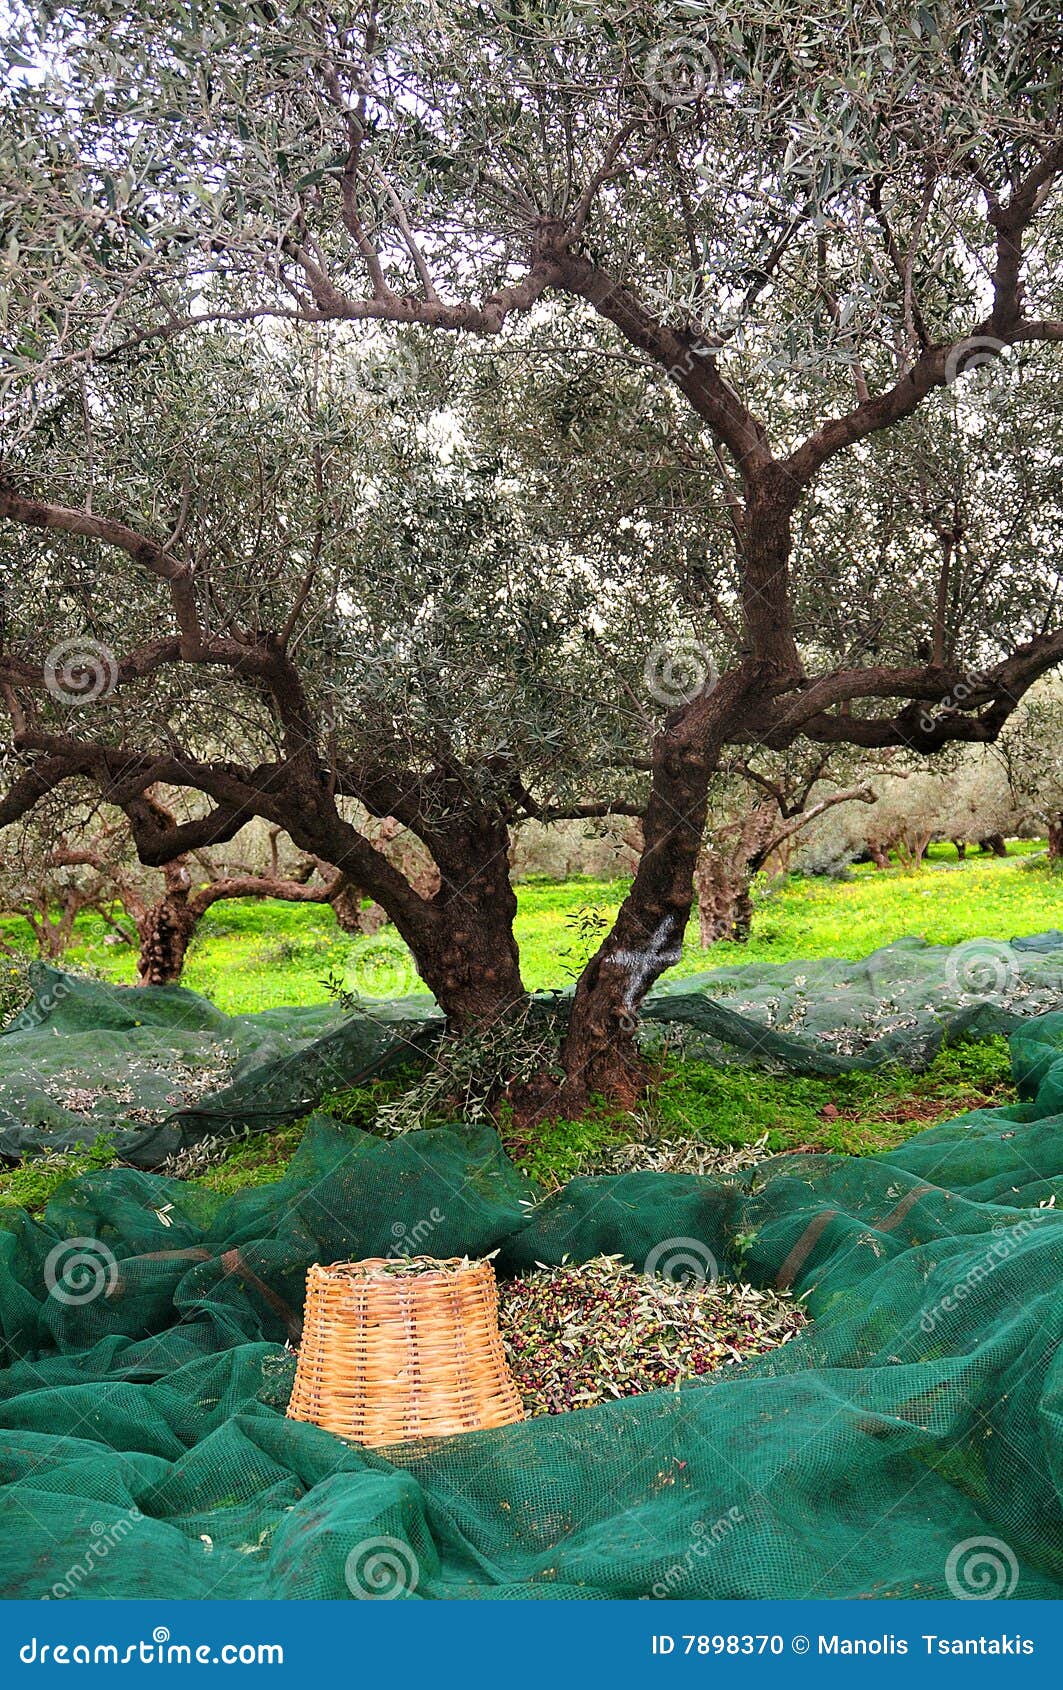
[423, 1269]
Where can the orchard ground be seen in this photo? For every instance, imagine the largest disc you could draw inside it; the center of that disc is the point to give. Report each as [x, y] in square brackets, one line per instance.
[258, 955]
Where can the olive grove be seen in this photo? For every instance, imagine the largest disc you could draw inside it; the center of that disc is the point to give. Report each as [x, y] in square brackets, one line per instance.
[468, 414]
[63, 859]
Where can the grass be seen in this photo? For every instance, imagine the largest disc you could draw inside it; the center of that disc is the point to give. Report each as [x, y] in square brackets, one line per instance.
[255, 955]
[256, 1160]
[32, 1183]
[854, 1114]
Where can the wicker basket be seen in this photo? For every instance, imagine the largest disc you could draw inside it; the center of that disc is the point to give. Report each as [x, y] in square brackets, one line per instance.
[403, 1349]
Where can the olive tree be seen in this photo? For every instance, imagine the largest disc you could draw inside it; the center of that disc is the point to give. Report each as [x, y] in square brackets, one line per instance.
[63, 859]
[1031, 752]
[757, 815]
[49, 884]
[768, 257]
[394, 646]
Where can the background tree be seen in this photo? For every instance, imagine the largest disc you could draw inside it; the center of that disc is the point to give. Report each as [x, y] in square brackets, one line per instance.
[46, 882]
[1031, 752]
[775, 239]
[977, 796]
[758, 813]
[168, 904]
[55, 866]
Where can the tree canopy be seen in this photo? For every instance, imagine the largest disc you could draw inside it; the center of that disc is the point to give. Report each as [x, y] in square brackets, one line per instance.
[500, 410]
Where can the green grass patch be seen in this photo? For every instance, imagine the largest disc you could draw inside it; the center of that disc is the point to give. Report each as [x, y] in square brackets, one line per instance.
[258, 1159]
[32, 1183]
[851, 1113]
[252, 955]
[855, 1114]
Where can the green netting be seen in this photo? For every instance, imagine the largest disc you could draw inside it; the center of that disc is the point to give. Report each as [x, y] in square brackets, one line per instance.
[160, 1068]
[900, 1004]
[145, 1452]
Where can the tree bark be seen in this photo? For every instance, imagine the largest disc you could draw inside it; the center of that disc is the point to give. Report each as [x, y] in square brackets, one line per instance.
[725, 872]
[53, 936]
[350, 916]
[465, 948]
[993, 843]
[166, 929]
[725, 902]
[912, 848]
[724, 876]
[1055, 838]
[598, 1054]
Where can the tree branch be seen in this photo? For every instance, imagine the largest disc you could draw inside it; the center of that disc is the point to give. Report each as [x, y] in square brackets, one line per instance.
[147, 552]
